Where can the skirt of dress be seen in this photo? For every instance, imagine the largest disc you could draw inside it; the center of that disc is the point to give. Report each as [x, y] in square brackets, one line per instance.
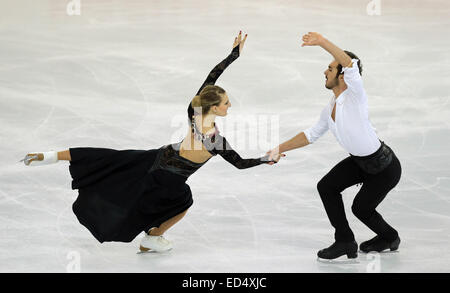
[119, 197]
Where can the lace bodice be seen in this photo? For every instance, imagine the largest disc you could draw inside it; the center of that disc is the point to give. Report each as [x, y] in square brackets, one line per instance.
[169, 157]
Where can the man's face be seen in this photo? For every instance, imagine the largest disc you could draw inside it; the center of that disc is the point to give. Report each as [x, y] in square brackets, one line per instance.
[331, 79]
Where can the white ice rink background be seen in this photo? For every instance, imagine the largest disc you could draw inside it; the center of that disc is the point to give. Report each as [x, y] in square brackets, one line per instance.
[121, 74]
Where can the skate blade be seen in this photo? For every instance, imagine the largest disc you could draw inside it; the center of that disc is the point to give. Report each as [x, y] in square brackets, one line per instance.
[144, 250]
[386, 251]
[340, 260]
[153, 252]
[28, 159]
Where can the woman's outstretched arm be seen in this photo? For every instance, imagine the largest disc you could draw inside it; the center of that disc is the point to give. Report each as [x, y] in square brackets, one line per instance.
[215, 73]
[224, 149]
[220, 68]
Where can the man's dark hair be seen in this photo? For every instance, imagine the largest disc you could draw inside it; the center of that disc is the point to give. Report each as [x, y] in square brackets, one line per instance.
[353, 56]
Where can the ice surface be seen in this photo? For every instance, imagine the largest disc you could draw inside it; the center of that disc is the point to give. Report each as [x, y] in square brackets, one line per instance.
[120, 76]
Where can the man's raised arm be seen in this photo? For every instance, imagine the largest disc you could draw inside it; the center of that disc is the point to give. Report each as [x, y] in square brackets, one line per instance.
[316, 39]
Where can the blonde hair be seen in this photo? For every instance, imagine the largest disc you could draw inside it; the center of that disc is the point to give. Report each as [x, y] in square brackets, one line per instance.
[210, 95]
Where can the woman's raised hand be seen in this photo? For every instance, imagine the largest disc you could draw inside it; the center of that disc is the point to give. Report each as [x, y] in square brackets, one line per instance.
[239, 41]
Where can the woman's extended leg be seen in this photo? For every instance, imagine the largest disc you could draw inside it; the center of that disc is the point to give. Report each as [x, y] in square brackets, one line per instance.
[64, 155]
[158, 231]
[45, 158]
[154, 240]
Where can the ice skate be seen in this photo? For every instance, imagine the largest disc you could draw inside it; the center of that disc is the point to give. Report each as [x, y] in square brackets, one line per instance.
[378, 244]
[38, 159]
[337, 250]
[154, 243]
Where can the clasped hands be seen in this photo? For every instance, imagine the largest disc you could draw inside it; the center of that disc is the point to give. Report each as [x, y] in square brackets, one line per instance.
[274, 156]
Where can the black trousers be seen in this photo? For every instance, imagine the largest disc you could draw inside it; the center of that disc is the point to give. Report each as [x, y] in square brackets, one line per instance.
[374, 189]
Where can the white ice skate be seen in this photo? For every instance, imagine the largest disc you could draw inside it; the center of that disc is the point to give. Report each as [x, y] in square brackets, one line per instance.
[155, 243]
[40, 158]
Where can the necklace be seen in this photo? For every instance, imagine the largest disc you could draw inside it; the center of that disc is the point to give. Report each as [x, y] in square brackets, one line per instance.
[198, 135]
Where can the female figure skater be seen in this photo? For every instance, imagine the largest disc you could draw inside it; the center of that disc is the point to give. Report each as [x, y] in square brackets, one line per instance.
[124, 192]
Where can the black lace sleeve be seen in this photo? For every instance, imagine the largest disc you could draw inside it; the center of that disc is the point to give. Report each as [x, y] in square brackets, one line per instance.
[223, 148]
[215, 74]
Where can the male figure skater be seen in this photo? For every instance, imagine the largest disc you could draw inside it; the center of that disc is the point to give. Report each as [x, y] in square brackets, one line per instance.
[371, 162]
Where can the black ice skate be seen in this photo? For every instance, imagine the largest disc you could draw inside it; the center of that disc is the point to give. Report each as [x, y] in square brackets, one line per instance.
[339, 249]
[378, 244]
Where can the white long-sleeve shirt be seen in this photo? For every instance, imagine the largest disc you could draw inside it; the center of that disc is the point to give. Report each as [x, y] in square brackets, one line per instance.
[351, 127]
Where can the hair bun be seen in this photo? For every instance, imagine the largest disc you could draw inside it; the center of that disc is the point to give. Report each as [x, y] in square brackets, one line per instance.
[196, 102]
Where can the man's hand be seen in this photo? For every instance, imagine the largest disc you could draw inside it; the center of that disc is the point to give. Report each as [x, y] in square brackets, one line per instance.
[274, 155]
[316, 39]
[312, 39]
[238, 41]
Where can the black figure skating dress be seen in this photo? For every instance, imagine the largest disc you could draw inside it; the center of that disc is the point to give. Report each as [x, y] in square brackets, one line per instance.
[124, 192]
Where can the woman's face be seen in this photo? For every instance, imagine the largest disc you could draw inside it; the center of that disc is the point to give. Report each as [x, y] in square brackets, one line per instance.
[222, 108]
